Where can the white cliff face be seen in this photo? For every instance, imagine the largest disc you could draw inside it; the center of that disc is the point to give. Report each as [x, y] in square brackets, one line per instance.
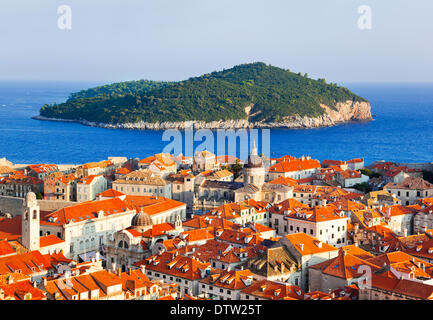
[347, 111]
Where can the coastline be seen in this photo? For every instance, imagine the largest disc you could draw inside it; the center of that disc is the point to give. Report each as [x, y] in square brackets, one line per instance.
[344, 112]
[299, 123]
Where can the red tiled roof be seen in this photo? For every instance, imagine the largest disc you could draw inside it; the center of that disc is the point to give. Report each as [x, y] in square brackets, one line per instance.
[110, 193]
[295, 165]
[24, 262]
[6, 248]
[271, 290]
[49, 240]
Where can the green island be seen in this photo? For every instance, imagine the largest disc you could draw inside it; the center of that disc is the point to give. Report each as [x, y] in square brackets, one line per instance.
[256, 92]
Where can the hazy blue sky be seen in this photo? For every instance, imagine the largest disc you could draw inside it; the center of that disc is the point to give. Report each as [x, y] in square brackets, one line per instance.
[114, 40]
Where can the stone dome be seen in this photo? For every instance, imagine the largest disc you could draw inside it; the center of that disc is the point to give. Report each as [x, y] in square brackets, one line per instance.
[30, 198]
[141, 221]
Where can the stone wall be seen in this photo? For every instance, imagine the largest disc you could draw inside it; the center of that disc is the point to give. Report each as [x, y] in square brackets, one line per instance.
[11, 205]
[52, 205]
[423, 166]
[14, 205]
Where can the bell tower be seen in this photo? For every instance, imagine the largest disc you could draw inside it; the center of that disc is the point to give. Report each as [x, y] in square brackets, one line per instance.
[30, 223]
[254, 170]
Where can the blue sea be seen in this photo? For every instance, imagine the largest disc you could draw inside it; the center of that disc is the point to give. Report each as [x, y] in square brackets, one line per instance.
[402, 130]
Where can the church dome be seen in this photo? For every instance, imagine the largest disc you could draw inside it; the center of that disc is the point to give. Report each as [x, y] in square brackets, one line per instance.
[141, 221]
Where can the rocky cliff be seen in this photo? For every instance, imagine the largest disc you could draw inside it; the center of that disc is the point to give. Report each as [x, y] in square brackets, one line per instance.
[342, 112]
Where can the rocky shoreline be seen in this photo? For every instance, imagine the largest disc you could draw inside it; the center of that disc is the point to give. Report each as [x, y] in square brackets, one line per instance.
[343, 112]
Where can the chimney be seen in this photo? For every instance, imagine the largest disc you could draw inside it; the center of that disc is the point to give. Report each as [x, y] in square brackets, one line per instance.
[405, 232]
[97, 257]
[301, 245]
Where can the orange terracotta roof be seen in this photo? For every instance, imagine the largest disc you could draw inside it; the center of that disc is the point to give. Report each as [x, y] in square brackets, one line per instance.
[318, 214]
[6, 248]
[403, 286]
[295, 165]
[22, 290]
[344, 266]
[110, 193]
[122, 171]
[270, 290]
[232, 280]
[289, 204]
[50, 240]
[88, 179]
[85, 211]
[308, 245]
[285, 181]
[357, 252]
[176, 265]
[10, 229]
[152, 205]
[29, 263]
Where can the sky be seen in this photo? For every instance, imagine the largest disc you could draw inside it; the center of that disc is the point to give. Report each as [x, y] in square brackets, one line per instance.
[116, 40]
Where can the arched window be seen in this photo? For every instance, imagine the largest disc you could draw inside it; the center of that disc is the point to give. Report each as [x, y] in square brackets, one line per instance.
[35, 214]
[123, 244]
